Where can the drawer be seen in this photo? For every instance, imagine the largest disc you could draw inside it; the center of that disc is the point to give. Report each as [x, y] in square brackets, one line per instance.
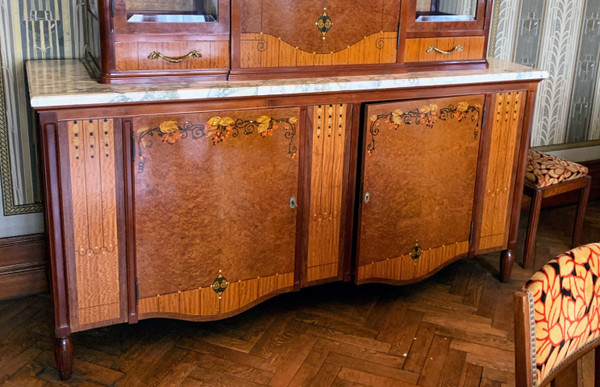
[177, 55]
[444, 49]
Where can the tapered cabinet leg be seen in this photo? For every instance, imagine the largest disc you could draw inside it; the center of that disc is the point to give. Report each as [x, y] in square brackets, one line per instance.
[507, 258]
[63, 351]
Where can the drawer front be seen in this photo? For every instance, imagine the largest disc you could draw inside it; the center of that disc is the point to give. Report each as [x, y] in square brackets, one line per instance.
[289, 33]
[177, 55]
[418, 186]
[215, 203]
[444, 49]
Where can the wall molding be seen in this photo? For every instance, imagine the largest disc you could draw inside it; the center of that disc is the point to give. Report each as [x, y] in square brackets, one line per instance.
[23, 265]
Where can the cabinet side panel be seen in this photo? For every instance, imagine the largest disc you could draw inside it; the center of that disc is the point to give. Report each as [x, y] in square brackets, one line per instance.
[507, 110]
[94, 220]
[329, 134]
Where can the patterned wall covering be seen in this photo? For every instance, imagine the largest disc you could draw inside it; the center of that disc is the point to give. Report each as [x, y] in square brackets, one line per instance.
[29, 29]
[562, 37]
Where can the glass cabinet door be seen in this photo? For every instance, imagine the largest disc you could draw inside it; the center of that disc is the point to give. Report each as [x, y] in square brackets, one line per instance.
[171, 16]
[426, 15]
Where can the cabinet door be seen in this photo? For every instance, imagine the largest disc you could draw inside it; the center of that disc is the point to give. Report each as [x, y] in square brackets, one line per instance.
[291, 33]
[215, 210]
[446, 15]
[419, 175]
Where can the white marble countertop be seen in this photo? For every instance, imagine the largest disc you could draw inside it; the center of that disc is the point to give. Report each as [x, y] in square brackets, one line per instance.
[57, 83]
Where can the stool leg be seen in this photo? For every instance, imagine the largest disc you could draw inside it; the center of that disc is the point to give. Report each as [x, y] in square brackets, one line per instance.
[534, 217]
[581, 206]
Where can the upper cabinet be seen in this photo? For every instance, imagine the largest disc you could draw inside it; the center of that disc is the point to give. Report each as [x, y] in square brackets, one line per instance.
[165, 39]
[446, 31]
[245, 39]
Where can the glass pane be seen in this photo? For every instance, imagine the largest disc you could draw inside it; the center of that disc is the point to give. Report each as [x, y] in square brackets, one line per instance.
[172, 11]
[446, 10]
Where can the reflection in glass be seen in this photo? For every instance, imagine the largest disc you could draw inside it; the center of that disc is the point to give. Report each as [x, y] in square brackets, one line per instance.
[172, 11]
[446, 10]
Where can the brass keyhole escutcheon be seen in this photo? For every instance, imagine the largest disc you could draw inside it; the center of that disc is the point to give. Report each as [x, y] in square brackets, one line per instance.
[324, 23]
[219, 284]
[416, 251]
[293, 203]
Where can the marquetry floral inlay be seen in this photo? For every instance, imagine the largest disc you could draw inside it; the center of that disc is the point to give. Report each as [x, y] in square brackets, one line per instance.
[217, 130]
[427, 115]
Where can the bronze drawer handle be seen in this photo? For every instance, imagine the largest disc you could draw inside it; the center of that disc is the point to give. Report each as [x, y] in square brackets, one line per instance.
[458, 48]
[178, 59]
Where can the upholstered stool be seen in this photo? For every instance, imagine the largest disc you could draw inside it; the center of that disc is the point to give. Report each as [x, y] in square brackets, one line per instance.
[548, 176]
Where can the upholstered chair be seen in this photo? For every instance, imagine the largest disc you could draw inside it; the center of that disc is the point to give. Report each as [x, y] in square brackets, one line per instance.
[557, 319]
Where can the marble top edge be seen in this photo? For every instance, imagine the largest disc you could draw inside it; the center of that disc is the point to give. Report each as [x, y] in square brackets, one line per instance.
[66, 82]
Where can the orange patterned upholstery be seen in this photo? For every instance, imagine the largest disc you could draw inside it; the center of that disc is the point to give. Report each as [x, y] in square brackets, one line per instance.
[544, 169]
[565, 309]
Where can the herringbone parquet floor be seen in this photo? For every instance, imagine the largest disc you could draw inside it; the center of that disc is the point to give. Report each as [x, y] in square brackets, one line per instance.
[454, 329]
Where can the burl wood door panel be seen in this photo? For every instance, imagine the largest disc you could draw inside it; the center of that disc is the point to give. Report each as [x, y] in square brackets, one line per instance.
[420, 167]
[291, 33]
[214, 196]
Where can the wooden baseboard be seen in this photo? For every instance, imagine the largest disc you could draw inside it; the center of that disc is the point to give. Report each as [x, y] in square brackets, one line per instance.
[23, 266]
[571, 198]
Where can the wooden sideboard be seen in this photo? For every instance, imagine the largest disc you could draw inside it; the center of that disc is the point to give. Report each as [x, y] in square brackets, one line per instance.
[197, 201]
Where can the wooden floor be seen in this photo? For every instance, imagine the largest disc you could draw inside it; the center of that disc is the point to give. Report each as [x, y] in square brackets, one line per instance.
[454, 329]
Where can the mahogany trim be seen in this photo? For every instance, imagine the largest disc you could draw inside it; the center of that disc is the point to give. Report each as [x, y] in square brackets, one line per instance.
[303, 210]
[52, 184]
[129, 178]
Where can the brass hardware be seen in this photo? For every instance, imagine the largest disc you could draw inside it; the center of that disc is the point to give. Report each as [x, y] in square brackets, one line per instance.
[367, 197]
[293, 202]
[416, 251]
[324, 23]
[178, 59]
[458, 48]
[219, 284]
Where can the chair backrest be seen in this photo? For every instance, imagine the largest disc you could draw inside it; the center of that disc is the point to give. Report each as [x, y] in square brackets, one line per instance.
[557, 315]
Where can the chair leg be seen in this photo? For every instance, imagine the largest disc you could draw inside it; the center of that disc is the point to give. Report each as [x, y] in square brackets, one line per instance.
[597, 367]
[534, 217]
[581, 206]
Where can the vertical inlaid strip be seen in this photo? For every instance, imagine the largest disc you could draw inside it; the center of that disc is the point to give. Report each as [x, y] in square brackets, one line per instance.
[326, 191]
[499, 179]
[94, 203]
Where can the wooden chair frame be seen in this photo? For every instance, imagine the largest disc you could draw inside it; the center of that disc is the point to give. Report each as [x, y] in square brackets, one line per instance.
[566, 374]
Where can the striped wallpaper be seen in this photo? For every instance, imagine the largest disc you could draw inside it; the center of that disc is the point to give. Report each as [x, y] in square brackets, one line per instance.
[561, 36]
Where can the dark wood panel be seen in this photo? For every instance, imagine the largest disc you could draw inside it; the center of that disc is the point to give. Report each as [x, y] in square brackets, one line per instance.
[212, 193]
[419, 172]
[23, 265]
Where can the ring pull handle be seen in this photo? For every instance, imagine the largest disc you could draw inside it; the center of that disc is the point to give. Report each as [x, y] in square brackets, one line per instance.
[293, 203]
[457, 48]
[176, 59]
